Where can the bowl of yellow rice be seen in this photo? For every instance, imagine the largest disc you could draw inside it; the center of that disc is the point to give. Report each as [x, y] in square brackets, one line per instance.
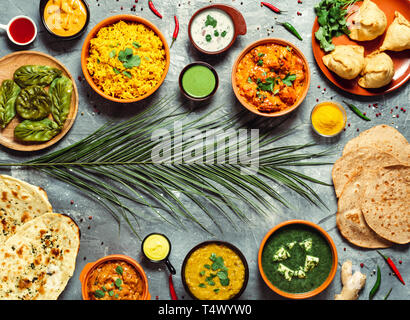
[125, 58]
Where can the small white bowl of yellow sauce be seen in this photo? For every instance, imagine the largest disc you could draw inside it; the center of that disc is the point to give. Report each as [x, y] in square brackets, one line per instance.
[328, 119]
[65, 19]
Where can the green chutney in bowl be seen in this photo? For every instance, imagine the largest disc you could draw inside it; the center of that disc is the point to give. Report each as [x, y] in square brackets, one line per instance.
[198, 81]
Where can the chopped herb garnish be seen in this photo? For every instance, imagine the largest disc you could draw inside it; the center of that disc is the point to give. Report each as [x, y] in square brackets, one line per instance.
[216, 290]
[208, 38]
[288, 80]
[201, 285]
[202, 273]
[250, 80]
[116, 70]
[207, 266]
[113, 53]
[110, 293]
[216, 33]
[260, 54]
[210, 21]
[119, 270]
[136, 45]
[288, 48]
[128, 59]
[223, 34]
[118, 282]
[127, 74]
[99, 294]
[266, 85]
[260, 62]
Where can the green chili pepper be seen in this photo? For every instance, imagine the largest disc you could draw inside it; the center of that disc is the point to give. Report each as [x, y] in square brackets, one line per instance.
[388, 293]
[376, 284]
[291, 29]
[357, 111]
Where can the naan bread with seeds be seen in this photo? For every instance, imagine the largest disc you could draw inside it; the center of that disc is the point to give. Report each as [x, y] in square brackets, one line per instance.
[39, 259]
[20, 203]
[385, 204]
[349, 217]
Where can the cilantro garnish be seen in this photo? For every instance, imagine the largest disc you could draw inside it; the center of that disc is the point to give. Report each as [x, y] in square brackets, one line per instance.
[208, 38]
[128, 59]
[223, 34]
[210, 21]
[331, 16]
[266, 85]
[288, 80]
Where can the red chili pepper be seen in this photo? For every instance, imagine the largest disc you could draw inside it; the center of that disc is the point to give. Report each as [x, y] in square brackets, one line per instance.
[153, 9]
[176, 30]
[392, 266]
[272, 7]
[172, 289]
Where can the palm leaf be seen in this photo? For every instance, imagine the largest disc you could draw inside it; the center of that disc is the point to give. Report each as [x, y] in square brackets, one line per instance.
[113, 165]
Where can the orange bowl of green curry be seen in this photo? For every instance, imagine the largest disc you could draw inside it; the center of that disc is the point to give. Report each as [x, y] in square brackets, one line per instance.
[271, 77]
[114, 277]
[297, 259]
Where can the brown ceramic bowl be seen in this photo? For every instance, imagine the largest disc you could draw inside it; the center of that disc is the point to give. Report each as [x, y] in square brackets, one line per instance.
[237, 19]
[224, 243]
[89, 267]
[251, 107]
[187, 95]
[329, 278]
[110, 21]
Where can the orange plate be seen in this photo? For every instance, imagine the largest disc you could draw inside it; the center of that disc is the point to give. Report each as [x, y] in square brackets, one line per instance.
[401, 59]
[304, 295]
[251, 107]
[112, 20]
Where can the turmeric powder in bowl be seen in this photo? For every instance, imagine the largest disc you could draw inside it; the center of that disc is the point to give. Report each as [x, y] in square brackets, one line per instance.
[328, 119]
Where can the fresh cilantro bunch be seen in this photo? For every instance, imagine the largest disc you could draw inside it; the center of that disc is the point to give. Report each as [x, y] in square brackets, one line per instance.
[331, 16]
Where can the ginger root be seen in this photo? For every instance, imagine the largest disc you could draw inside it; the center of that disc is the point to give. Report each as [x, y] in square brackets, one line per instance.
[352, 284]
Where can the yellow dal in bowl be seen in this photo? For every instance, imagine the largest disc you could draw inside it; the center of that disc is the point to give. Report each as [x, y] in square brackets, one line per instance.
[196, 273]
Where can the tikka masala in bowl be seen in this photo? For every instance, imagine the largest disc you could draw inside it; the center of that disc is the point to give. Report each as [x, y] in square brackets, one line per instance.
[271, 77]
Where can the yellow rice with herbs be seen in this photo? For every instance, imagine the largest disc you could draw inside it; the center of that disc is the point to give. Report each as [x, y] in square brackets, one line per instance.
[126, 60]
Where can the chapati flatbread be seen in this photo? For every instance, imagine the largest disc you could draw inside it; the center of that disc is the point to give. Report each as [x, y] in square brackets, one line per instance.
[349, 217]
[39, 259]
[20, 203]
[386, 206]
[352, 163]
[384, 138]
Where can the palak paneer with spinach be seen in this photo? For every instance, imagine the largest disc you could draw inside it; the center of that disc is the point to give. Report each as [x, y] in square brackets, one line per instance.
[297, 259]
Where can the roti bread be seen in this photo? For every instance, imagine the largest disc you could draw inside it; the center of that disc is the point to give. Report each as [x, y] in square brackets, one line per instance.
[386, 206]
[382, 137]
[39, 259]
[349, 216]
[20, 203]
[352, 163]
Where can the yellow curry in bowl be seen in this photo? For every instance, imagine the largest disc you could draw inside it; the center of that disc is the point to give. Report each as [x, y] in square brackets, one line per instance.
[271, 77]
[214, 271]
[65, 18]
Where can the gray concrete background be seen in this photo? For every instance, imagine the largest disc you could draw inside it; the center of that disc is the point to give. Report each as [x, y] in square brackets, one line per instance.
[100, 235]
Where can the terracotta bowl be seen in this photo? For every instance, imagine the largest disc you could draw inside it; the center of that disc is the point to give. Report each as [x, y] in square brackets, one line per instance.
[230, 246]
[89, 267]
[249, 106]
[329, 278]
[109, 21]
[238, 22]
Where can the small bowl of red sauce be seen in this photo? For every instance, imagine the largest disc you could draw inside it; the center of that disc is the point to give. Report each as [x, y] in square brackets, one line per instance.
[21, 30]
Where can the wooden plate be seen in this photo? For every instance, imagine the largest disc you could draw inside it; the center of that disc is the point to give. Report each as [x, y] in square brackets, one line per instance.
[401, 60]
[8, 64]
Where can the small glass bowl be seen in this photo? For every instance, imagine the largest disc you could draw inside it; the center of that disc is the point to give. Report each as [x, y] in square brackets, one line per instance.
[340, 107]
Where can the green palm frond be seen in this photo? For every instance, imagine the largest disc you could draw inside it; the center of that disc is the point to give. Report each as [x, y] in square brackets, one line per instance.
[113, 165]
